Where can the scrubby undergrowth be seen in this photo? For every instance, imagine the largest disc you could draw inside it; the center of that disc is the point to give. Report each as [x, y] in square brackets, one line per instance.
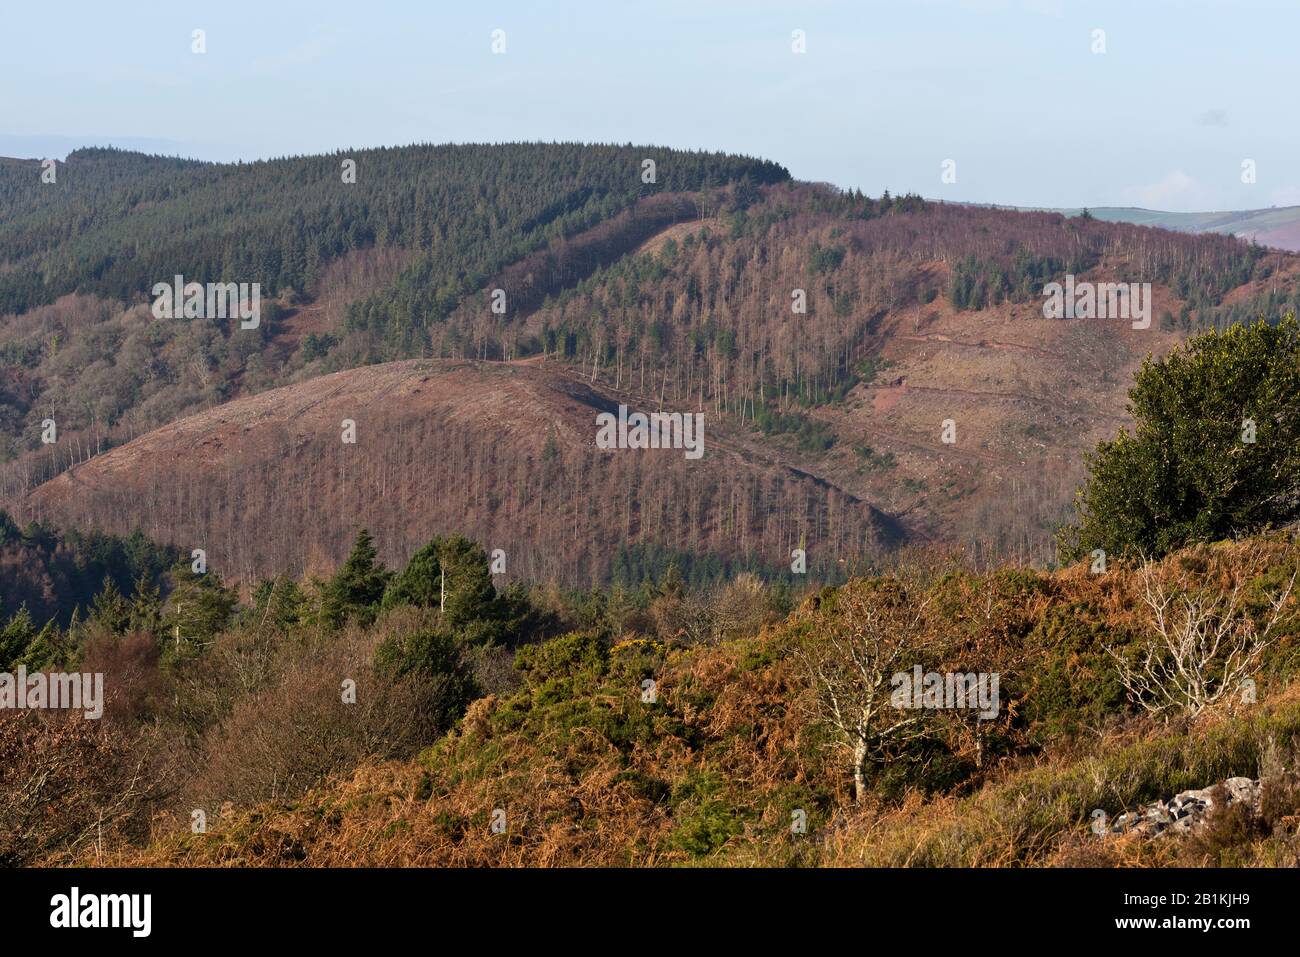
[578, 767]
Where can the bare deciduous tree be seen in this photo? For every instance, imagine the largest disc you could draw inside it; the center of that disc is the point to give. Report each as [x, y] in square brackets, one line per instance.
[877, 635]
[1203, 643]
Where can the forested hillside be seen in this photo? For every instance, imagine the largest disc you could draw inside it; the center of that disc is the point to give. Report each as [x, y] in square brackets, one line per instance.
[417, 230]
[412, 706]
[504, 452]
[50, 576]
[828, 336]
[715, 310]
[113, 223]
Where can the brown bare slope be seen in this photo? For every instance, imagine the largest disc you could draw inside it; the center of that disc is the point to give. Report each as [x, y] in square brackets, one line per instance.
[503, 452]
[1028, 397]
[916, 314]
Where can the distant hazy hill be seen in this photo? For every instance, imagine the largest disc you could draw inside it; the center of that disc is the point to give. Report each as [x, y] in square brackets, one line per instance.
[1278, 227]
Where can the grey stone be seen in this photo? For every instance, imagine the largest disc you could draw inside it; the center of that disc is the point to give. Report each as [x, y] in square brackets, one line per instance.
[1187, 810]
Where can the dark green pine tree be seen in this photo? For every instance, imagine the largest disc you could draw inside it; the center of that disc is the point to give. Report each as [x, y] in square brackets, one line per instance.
[470, 594]
[42, 651]
[280, 603]
[146, 606]
[672, 584]
[198, 607]
[357, 587]
[420, 583]
[110, 608]
[16, 635]
[454, 575]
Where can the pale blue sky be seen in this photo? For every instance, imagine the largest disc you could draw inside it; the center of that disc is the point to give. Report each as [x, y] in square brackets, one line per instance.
[1010, 89]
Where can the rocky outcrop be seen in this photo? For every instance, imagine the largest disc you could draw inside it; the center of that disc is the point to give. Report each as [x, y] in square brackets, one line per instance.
[1186, 811]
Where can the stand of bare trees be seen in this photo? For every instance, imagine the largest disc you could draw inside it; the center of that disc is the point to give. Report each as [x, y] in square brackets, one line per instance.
[1203, 645]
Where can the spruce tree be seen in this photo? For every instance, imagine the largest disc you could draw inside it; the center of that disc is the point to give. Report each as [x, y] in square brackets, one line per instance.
[15, 637]
[110, 608]
[420, 583]
[470, 594]
[198, 607]
[357, 587]
[146, 606]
